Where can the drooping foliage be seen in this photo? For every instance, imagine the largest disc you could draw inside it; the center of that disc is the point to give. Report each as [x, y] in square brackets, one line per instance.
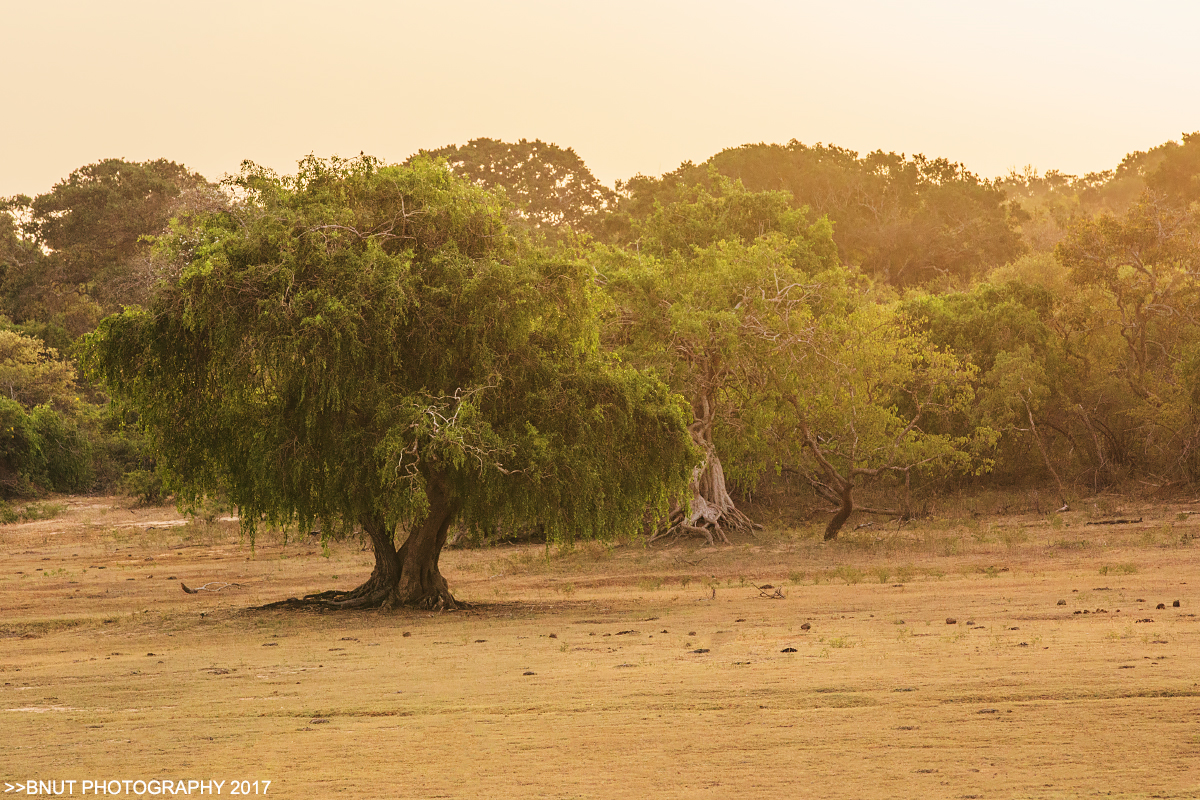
[370, 344]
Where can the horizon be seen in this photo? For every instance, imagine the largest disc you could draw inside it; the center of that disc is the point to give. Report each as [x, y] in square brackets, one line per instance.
[632, 88]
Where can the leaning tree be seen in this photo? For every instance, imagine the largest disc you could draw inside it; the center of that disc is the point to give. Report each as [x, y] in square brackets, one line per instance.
[869, 398]
[369, 346]
[719, 283]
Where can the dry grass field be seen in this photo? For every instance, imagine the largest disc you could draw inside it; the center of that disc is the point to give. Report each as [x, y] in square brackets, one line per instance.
[963, 656]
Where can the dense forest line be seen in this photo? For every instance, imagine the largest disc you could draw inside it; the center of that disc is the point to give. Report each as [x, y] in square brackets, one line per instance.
[833, 318]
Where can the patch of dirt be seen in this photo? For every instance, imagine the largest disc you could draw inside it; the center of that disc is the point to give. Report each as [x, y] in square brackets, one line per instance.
[615, 671]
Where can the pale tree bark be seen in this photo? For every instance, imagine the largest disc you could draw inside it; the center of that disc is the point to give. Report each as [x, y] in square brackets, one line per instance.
[711, 509]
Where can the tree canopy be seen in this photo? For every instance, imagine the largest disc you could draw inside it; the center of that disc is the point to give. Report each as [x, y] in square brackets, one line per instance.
[371, 345]
[549, 186]
[90, 232]
[902, 310]
[904, 220]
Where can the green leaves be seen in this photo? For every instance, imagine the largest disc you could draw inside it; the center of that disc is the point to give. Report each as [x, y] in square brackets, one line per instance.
[340, 337]
[550, 188]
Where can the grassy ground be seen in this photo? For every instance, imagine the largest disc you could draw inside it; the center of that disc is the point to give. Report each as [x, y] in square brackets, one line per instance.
[968, 655]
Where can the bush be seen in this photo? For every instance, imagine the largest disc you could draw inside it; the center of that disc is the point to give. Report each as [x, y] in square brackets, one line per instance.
[146, 485]
[22, 465]
[66, 452]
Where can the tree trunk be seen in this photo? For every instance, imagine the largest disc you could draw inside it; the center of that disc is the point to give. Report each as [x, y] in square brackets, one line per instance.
[1037, 437]
[843, 514]
[420, 584]
[408, 576]
[711, 509]
[383, 577]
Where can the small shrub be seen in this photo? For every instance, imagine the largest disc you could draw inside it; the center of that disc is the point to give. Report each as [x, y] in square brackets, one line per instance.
[950, 546]
[145, 486]
[1071, 544]
[848, 574]
[1013, 537]
[30, 513]
[883, 573]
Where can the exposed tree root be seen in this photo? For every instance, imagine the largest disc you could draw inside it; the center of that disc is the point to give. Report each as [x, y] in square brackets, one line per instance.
[711, 509]
[211, 586]
[407, 577]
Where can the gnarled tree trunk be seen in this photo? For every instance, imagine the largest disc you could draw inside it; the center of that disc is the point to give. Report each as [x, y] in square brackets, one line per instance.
[420, 584]
[407, 576]
[711, 509]
[845, 493]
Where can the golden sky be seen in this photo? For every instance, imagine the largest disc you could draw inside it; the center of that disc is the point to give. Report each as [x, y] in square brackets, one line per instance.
[633, 86]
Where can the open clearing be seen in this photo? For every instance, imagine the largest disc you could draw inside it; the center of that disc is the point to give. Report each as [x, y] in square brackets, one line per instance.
[606, 672]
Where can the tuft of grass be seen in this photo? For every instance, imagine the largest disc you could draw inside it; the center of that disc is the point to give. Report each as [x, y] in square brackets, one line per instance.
[841, 642]
[949, 546]
[649, 584]
[796, 577]
[30, 513]
[905, 573]
[1012, 537]
[1071, 544]
[1119, 569]
[883, 573]
[848, 574]
[1114, 636]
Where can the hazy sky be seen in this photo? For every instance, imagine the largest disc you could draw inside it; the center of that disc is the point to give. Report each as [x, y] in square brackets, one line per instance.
[633, 86]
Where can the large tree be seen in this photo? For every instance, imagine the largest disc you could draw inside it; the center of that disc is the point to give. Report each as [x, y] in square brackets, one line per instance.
[721, 280]
[550, 187]
[370, 345]
[904, 220]
[92, 227]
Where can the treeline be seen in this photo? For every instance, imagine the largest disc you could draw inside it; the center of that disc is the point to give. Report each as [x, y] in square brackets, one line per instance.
[833, 317]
